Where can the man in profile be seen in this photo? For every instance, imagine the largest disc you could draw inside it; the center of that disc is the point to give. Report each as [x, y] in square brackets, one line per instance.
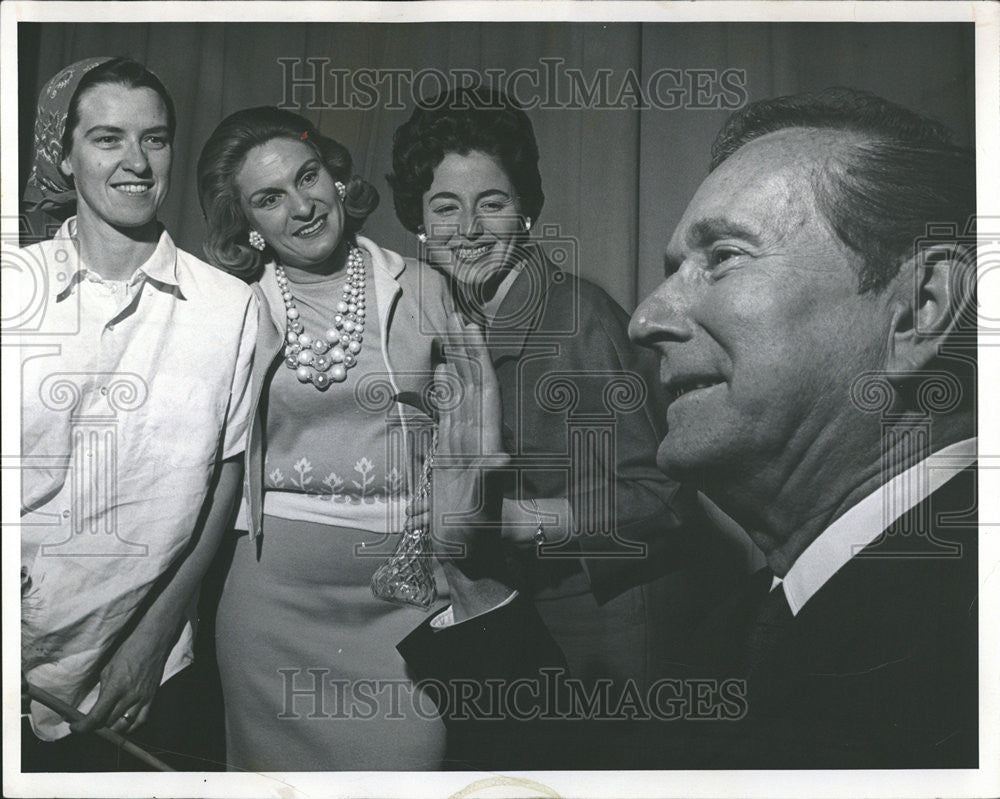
[816, 347]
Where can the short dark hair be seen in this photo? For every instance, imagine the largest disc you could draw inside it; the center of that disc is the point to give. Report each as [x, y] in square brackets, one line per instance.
[226, 244]
[118, 71]
[881, 190]
[460, 121]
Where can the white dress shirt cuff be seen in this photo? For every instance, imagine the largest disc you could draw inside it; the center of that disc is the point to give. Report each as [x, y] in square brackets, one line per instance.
[446, 618]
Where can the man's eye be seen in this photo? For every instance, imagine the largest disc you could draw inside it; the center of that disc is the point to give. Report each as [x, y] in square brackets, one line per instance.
[106, 141]
[722, 254]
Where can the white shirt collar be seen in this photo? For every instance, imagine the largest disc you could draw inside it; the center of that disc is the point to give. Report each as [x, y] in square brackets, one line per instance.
[161, 266]
[864, 522]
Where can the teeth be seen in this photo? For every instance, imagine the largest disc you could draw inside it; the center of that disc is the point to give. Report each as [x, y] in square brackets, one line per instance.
[311, 228]
[468, 253]
[133, 188]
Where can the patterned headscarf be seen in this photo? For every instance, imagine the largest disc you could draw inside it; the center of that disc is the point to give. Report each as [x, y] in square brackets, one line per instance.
[47, 187]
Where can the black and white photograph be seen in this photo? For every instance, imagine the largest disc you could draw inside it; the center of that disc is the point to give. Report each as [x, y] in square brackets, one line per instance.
[547, 399]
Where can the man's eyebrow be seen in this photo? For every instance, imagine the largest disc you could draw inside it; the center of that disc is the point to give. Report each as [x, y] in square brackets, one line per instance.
[706, 231]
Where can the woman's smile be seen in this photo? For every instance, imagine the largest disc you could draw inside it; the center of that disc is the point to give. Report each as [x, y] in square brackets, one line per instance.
[312, 229]
[468, 254]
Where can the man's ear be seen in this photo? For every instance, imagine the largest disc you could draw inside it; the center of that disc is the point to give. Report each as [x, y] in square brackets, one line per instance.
[929, 301]
[66, 168]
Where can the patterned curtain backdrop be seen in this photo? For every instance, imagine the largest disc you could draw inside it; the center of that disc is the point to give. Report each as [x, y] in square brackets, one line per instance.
[618, 165]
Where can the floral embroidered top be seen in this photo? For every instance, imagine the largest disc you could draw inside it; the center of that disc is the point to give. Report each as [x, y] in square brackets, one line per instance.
[327, 445]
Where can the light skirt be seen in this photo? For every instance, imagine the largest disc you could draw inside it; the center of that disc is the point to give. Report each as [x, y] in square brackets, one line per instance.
[311, 677]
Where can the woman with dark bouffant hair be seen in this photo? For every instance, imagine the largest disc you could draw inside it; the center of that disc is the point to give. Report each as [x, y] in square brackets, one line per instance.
[339, 314]
[592, 522]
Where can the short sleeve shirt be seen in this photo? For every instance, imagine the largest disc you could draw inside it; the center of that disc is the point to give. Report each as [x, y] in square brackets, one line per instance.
[131, 392]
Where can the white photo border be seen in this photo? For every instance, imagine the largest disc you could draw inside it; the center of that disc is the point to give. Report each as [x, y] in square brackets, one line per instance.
[984, 781]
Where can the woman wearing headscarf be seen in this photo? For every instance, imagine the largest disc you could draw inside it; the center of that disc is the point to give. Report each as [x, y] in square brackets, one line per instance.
[134, 417]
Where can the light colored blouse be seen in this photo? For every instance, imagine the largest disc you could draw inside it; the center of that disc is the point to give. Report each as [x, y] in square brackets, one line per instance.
[328, 449]
[409, 307]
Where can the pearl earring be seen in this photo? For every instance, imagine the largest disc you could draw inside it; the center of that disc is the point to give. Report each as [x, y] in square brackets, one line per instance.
[422, 237]
[341, 189]
[527, 223]
[256, 240]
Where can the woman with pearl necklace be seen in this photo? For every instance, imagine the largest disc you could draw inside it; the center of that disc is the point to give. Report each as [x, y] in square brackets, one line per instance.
[311, 678]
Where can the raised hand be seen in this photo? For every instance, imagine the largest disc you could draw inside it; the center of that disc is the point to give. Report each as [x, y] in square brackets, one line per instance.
[462, 511]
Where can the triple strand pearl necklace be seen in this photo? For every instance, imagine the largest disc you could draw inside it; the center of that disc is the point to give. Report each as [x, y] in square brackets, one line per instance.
[325, 359]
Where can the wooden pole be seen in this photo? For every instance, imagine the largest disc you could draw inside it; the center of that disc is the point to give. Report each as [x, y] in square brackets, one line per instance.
[70, 713]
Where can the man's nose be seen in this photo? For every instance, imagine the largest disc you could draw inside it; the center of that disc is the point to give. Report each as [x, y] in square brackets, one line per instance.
[662, 316]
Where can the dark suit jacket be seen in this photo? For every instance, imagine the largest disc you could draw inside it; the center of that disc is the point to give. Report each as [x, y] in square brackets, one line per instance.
[878, 670]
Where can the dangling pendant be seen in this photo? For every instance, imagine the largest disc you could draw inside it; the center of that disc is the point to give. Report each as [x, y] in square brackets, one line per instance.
[540, 535]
